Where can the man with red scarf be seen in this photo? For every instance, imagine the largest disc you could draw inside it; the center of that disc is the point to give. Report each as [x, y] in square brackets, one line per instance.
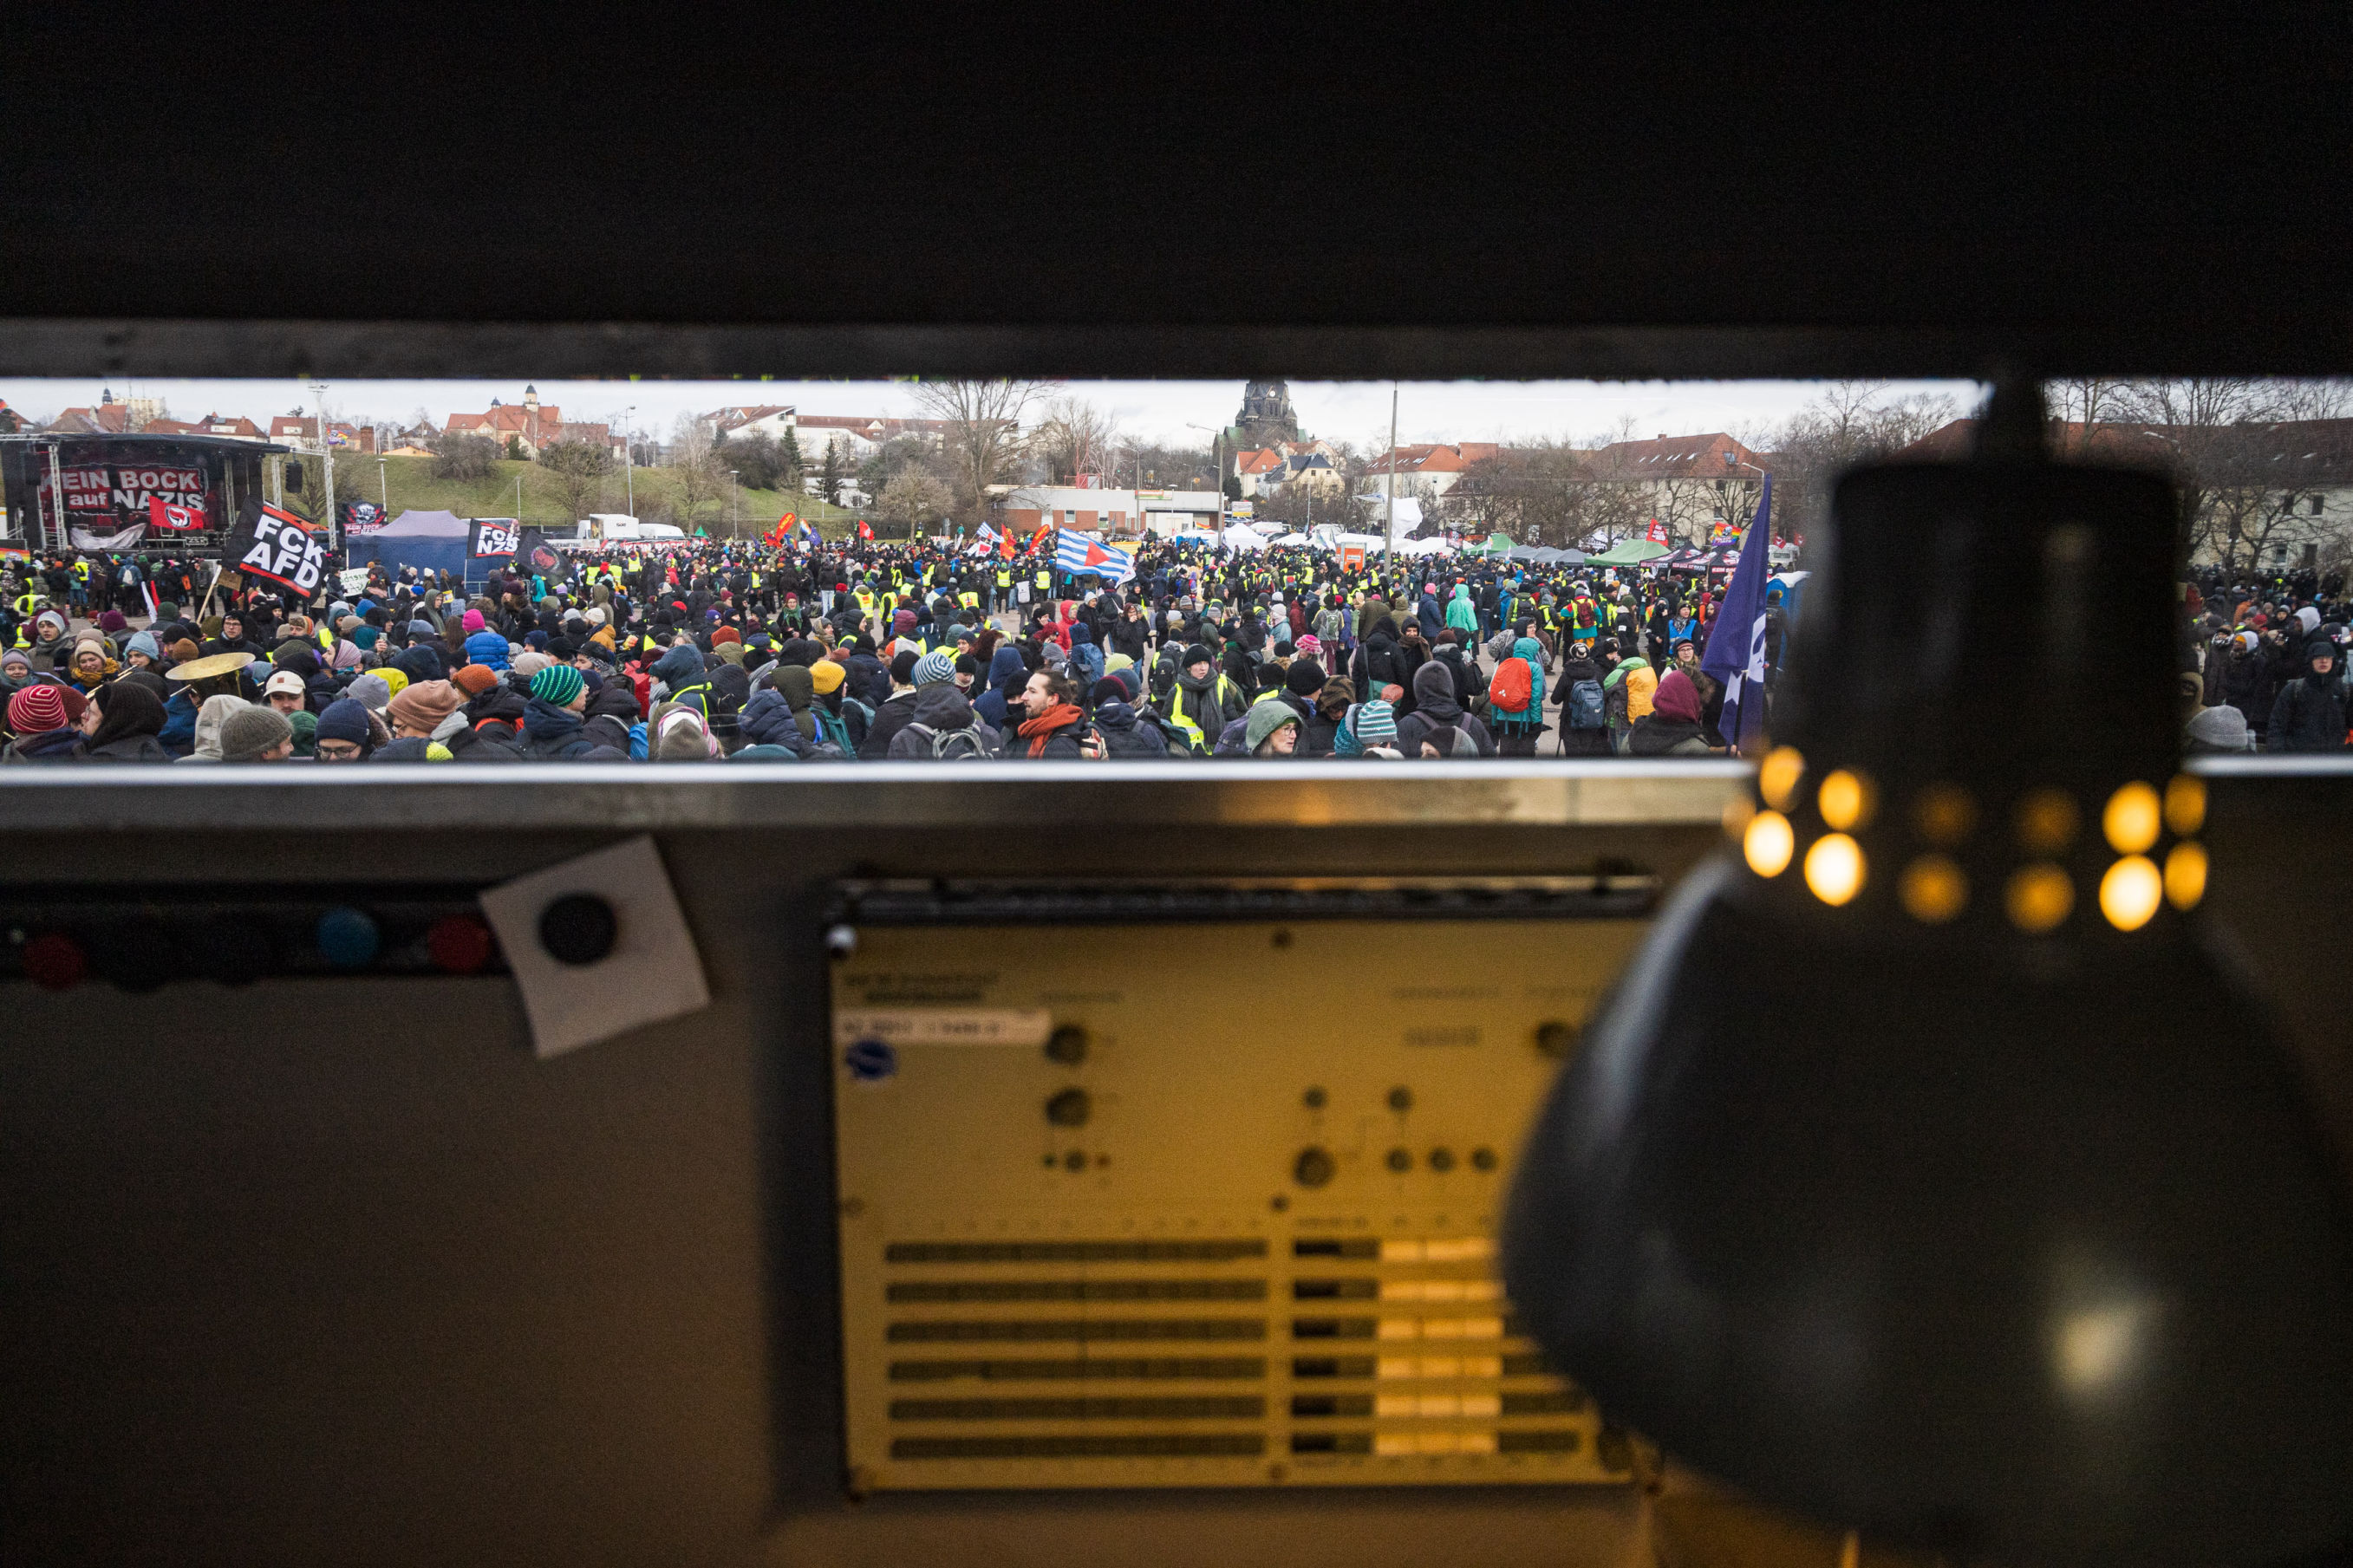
[1056, 729]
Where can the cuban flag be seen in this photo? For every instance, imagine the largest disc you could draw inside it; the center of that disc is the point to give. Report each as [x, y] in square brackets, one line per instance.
[1077, 552]
[1736, 645]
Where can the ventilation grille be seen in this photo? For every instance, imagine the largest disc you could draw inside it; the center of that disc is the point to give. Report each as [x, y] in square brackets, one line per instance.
[1317, 1357]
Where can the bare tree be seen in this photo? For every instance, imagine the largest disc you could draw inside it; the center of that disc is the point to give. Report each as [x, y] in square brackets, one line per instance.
[1850, 423]
[2241, 455]
[983, 437]
[580, 469]
[695, 472]
[1075, 438]
[915, 497]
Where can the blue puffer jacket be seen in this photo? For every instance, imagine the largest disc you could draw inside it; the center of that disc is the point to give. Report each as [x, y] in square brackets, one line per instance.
[768, 721]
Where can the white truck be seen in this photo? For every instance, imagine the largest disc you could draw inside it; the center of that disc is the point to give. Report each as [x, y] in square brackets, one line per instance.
[619, 528]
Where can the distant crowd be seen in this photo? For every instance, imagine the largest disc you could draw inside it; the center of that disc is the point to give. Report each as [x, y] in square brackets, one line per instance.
[838, 652]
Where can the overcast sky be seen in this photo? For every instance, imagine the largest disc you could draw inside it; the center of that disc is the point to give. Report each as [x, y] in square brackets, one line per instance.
[1152, 410]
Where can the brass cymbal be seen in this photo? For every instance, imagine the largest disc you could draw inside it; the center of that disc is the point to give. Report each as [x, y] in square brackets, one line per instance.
[205, 668]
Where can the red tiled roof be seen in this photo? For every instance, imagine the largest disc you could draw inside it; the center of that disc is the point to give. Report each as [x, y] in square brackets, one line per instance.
[1676, 457]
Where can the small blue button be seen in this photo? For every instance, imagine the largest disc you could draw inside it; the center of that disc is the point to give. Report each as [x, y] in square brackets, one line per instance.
[348, 938]
[871, 1060]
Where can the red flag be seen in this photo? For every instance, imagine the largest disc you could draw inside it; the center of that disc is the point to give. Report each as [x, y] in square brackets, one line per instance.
[1045, 531]
[865, 531]
[1005, 545]
[1658, 531]
[178, 519]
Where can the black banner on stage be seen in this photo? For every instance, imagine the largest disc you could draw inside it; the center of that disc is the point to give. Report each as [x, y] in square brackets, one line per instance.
[277, 547]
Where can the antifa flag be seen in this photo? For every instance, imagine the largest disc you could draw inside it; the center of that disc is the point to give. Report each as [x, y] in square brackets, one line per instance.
[494, 536]
[535, 555]
[361, 518]
[277, 547]
[164, 514]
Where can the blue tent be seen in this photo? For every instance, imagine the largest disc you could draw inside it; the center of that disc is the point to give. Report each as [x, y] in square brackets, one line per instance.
[428, 541]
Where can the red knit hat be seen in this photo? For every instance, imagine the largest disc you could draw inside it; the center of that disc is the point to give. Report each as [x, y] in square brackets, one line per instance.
[725, 634]
[39, 709]
[475, 679]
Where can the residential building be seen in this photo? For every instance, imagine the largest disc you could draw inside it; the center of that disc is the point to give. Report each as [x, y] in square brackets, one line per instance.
[529, 425]
[1687, 482]
[1426, 471]
[1260, 472]
[301, 431]
[2274, 497]
[770, 419]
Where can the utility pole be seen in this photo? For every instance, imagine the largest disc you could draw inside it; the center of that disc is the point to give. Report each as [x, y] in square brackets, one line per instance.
[383, 483]
[734, 500]
[327, 468]
[629, 453]
[1389, 505]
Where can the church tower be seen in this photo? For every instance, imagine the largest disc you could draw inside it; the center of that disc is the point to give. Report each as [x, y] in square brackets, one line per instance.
[1266, 416]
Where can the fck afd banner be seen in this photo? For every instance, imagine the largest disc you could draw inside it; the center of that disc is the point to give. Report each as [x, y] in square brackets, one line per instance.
[277, 547]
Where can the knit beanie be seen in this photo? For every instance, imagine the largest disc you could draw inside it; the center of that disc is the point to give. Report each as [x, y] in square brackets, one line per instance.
[251, 732]
[472, 621]
[345, 719]
[475, 679]
[1376, 722]
[826, 676]
[902, 668]
[371, 691]
[1304, 677]
[529, 665]
[423, 705]
[936, 667]
[143, 642]
[556, 685]
[1197, 654]
[39, 709]
[1110, 688]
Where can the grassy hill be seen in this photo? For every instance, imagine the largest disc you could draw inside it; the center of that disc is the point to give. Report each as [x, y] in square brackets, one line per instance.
[412, 486]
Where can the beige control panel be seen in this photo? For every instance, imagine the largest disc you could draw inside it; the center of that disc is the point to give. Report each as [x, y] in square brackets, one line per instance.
[1200, 1204]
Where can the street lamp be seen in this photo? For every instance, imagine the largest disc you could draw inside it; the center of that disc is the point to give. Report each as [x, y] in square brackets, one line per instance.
[735, 504]
[383, 484]
[1217, 475]
[629, 455]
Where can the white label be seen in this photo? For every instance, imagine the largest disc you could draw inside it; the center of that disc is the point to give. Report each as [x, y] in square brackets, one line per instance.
[945, 1027]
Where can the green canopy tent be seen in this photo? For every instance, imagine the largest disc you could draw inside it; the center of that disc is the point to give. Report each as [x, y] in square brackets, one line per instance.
[1497, 544]
[1629, 553]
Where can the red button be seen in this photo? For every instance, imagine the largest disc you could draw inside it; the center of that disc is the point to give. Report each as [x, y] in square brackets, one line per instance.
[55, 963]
[458, 944]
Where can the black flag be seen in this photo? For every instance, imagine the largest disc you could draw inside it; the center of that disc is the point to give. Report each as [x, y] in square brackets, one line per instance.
[277, 547]
[493, 537]
[535, 555]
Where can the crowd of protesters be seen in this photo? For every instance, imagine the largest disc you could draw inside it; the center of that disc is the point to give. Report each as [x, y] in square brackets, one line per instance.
[844, 651]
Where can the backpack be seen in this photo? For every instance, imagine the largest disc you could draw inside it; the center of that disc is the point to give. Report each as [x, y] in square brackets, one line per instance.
[957, 745]
[1381, 662]
[1452, 740]
[1513, 684]
[1586, 708]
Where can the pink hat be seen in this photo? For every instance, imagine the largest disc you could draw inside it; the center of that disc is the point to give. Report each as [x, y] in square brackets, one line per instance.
[472, 621]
